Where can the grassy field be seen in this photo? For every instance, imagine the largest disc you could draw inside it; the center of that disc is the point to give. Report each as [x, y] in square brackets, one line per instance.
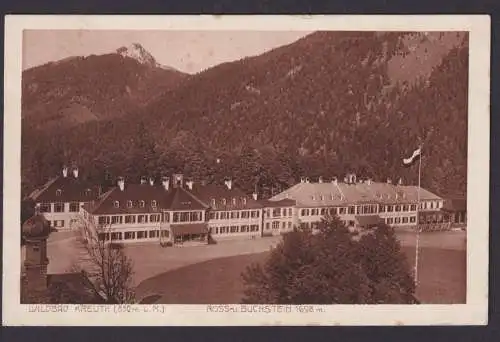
[218, 281]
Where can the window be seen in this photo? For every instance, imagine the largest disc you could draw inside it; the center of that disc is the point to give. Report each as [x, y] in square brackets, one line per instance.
[58, 207]
[117, 204]
[103, 219]
[254, 228]
[142, 218]
[276, 225]
[245, 229]
[216, 230]
[233, 214]
[165, 217]
[211, 215]
[351, 209]
[255, 213]
[87, 192]
[268, 226]
[323, 211]
[413, 207]
[234, 201]
[165, 233]
[397, 220]
[276, 212]
[154, 234]
[333, 211]
[405, 219]
[358, 209]
[283, 225]
[289, 211]
[398, 207]
[129, 204]
[142, 204]
[129, 219]
[289, 225]
[234, 229]
[58, 192]
[45, 208]
[244, 200]
[245, 214]
[413, 219]
[116, 219]
[405, 207]
[153, 203]
[129, 235]
[212, 202]
[74, 207]
[321, 198]
[223, 201]
[303, 212]
[390, 220]
[116, 236]
[284, 212]
[390, 208]
[342, 211]
[59, 223]
[142, 235]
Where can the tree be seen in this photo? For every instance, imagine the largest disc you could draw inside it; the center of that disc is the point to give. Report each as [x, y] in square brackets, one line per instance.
[108, 269]
[332, 265]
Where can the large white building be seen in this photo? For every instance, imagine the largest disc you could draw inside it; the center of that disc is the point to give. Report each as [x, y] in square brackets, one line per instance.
[175, 210]
[61, 199]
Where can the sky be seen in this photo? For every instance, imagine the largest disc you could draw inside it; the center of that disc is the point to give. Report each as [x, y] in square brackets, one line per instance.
[187, 51]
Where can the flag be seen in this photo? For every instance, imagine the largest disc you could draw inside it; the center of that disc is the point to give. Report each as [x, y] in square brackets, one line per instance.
[414, 157]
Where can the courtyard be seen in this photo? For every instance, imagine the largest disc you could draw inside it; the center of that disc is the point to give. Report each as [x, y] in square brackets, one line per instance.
[211, 273]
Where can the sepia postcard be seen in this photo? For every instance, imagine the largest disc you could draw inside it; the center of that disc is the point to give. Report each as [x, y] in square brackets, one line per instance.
[246, 170]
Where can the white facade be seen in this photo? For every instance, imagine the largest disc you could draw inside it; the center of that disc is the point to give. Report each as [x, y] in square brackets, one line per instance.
[63, 216]
[228, 224]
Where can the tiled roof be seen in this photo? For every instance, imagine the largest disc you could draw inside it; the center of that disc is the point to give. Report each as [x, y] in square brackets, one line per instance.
[65, 189]
[277, 204]
[334, 194]
[220, 197]
[193, 228]
[142, 198]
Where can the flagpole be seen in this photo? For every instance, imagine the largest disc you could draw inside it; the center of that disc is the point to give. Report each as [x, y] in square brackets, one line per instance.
[417, 249]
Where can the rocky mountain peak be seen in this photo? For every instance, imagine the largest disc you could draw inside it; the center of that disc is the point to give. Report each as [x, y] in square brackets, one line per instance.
[139, 53]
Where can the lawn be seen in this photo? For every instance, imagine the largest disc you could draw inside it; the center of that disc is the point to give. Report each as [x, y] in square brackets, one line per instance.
[218, 281]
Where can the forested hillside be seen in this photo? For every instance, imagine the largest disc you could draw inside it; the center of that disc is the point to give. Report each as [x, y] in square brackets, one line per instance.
[324, 105]
[81, 89]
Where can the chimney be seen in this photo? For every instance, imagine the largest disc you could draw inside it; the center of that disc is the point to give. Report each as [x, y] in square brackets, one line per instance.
[121, 183]
[400, 181]
[334, 180]
[178, 180]
[320, 179]
[151, 181]
[255, 196]
[369, 181]
[307, 179]
[389, 181]
[65, 171]
[75, 172]
[353, 178]
[189, 184]
[302, 180]
[165, 181]
[143, 180]
[229, 183]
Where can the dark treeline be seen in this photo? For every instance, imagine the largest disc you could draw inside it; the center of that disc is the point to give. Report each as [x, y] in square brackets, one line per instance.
[323, 106]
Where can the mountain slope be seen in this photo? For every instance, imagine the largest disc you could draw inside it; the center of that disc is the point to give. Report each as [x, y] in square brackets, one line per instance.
[80, 89]
[327, 104]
